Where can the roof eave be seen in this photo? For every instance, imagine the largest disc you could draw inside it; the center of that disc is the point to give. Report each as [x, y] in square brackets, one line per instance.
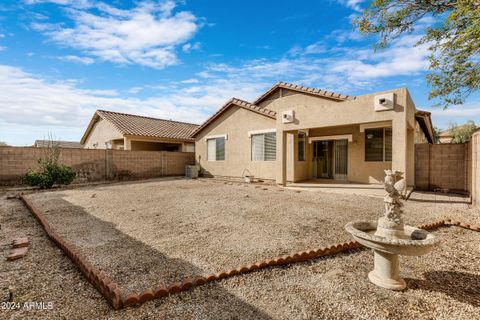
[231, 102]
[283, 85]
[425, 121]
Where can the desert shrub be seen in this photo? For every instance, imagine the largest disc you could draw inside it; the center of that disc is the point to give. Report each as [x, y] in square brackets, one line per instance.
[50, 171]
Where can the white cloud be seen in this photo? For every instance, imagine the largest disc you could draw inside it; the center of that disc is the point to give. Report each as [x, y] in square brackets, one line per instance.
[352, 4]
[135, 90]
[188, 81]
[30, 100]
[82, 60]
[147, 35]
[188, 47]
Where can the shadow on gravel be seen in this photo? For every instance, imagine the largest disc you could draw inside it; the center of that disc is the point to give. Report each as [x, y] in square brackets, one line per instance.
[461, 286]
[135, 266]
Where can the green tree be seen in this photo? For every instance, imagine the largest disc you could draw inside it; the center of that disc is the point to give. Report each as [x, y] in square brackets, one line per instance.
[50, 171]
[453, 40]
[463, 133]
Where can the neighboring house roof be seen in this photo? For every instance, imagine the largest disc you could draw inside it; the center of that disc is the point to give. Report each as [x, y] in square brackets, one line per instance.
[302, 89]
[59, 143]
[130, 124]
[425, 121]
[238, 103]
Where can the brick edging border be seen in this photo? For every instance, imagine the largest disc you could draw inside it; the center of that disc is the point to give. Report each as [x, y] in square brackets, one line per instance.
[99, 279]
[112, 293]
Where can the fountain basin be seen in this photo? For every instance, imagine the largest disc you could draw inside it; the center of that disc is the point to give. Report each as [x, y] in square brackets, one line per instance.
[386, 272]
[418, 241]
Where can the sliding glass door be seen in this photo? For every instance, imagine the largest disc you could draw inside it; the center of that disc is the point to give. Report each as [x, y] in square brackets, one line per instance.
[340, 160]
[330, 159]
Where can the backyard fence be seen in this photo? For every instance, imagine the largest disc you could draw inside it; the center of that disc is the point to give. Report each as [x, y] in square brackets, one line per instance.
[450, 167]
[475, 165]
[442, 167]
[96, 165]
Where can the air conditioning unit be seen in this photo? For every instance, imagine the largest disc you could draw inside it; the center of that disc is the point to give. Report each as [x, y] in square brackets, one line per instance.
[383, 102]
[191, 172]
[287, 116]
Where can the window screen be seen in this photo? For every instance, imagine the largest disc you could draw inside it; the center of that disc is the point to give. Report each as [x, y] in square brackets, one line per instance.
[301, 146]
[264, 147]
[378, 144]
[388, 144]
[216, 149]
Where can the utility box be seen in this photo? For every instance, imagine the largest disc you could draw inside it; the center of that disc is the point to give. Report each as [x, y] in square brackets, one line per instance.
[287, 116]
[384, 102]
[191, 172]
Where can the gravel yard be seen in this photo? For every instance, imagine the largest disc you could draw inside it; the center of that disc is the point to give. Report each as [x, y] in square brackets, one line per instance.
[152, 233]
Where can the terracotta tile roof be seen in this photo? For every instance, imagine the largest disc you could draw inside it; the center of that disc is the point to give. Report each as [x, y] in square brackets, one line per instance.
[239, 103]
[312, 91]
[129, 124]
[59, 143]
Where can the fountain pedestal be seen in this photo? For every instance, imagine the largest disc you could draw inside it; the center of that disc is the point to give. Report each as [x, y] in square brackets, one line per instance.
[386, 271]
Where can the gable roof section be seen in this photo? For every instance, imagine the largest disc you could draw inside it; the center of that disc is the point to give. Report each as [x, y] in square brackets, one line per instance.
[129, 124]
[302, 89]
[425, 121]
[239, 103]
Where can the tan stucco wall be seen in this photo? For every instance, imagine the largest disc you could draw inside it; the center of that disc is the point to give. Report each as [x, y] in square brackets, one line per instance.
[101, 133]
[236, 122]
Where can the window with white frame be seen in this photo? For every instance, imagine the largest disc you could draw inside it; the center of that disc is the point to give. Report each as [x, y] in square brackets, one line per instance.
[301, 146]
[216, 149]
[378, 144]
[264, 146]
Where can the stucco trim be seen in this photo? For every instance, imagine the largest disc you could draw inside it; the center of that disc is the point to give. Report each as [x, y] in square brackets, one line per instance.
[374, 125]
[217, 136]
[349, 137]
[250, 133]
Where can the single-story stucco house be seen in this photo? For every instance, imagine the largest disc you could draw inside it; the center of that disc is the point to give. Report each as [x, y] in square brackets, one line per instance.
[121, 131]
[295, 133]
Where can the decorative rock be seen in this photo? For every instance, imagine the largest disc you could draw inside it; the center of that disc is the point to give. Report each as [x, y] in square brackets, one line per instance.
[17, 253]
[20, 242]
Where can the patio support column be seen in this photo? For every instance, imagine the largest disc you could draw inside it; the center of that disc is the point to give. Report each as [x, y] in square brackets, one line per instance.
[400, 147]
[281, 171]
[127, 144]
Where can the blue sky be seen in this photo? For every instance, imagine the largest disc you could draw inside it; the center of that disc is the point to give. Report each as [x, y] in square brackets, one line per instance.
[60, 60]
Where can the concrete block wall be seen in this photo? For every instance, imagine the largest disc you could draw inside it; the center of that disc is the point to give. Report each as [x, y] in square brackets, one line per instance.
[96, 165]
[475, 169]
[442, 166]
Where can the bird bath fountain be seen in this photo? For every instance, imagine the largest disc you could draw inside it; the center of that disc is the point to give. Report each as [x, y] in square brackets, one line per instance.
[389, 237]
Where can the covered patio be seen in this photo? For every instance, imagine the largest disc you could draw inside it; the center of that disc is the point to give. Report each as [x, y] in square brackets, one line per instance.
[338, 186]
